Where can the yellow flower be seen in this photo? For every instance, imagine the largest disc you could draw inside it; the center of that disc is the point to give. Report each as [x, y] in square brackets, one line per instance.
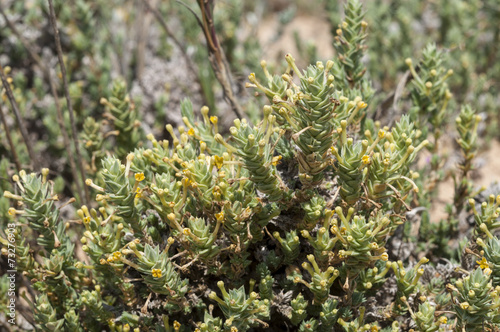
[220, 216]
[138, 193]
[365, 159]
[374, 328]
[483, 263]
[464, 305]
[214, 119]
[276, 160]
[156, 273]
[443, 320]
[219, 161]
[117, 255]
[191, 132]
[139, 177]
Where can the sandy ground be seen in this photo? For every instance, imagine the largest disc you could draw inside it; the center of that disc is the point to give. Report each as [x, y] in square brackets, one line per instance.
[486, 173]
[311, 28]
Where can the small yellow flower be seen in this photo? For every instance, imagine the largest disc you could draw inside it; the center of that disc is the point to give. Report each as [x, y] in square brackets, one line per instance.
[219, 161]
[12, 211]
[464, 305]
[443, 320]
[214, 120]
[139, 177]
[374, 328]
[276, 160]
[86, 220]
[381, 133]
[365, 159]
[117, 255]
[191, 132]
[102, 261]
[220, 216]
[483, 263]
[138, 193]
[362, 104]
[177, 325]
[156, 273]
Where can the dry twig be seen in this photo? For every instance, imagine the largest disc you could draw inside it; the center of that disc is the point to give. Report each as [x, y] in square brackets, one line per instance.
[216, 55]
[20, 123]
[68, 99]
[9, 139]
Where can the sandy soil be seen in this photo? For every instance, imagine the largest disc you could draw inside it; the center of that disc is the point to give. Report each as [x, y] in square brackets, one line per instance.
[314, 29]
[487, 172]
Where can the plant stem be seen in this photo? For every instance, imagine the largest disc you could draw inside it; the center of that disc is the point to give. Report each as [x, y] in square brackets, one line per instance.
[20, 123]
[66, 93]
[190, 64]
[217, 57]
[9, 139]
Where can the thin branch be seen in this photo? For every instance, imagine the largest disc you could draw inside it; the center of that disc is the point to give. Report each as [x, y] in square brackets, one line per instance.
[53, 89]
[66, 93]
[171, 35]
[216, 55]
[19, 120]
[9, 139]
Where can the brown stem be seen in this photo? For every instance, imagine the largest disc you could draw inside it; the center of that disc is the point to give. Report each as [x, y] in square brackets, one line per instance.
[142, 26]
[19, 119]
[53, 89]
[66, 93]
[9, 139]
[217, 56]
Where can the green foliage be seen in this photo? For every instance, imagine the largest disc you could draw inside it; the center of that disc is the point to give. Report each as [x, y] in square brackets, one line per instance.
[124, 116]
[476, 301]
[292, 217]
